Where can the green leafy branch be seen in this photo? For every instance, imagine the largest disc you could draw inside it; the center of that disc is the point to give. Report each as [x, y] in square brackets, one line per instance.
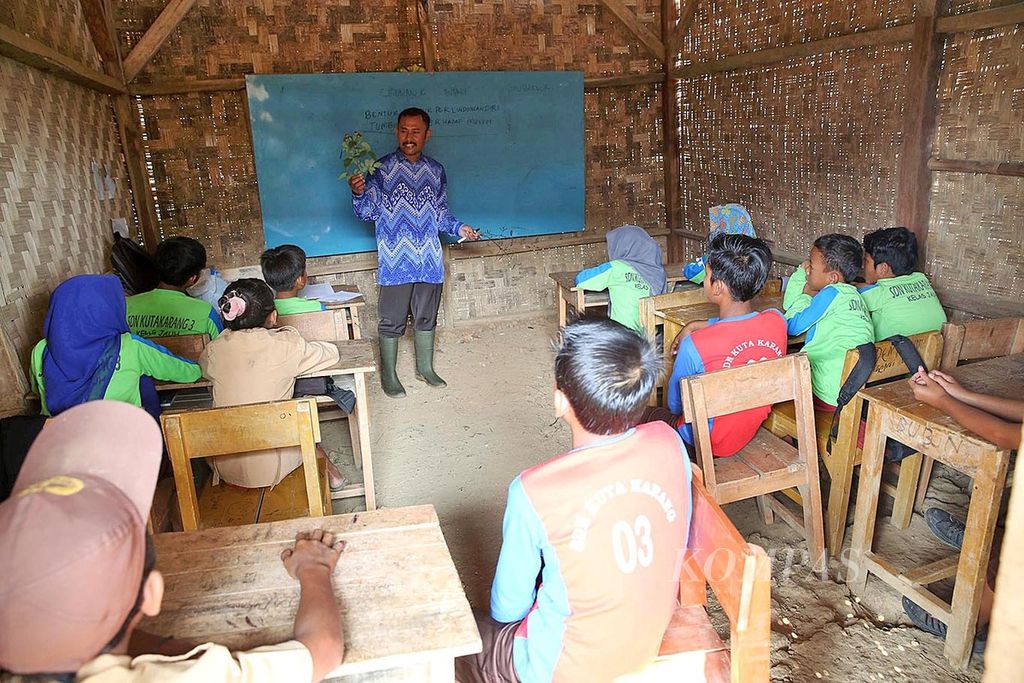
[357, 156]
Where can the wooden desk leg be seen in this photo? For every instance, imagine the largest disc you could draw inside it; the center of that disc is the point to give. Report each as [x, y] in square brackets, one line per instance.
[353, 432]
[986, 496]
[361, 413]
[669, 332]
[353, 321]
[867, 498]
[580, 303]
[561, 300]
[906, 491]
[441, 671]
[840, 468]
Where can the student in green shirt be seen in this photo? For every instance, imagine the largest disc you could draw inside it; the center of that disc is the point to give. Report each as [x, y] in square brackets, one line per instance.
[633, 271]
[900, 300]
[88, 353]
[820, 302]
[168, 311]
[284, 269]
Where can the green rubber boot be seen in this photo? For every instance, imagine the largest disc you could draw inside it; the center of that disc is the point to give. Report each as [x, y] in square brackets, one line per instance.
[388, 358]
[424, 342]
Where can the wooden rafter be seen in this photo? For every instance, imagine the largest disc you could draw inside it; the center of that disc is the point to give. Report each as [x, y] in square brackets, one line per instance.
[913, 178]
[99, 19]
[154, 37]
[30, 51]
[643, 34]
[988, 18]
[428, 44]
[674, 40]
[1008, 168]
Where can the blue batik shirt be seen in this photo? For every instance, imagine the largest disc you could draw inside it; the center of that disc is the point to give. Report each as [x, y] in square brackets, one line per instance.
[408, 203]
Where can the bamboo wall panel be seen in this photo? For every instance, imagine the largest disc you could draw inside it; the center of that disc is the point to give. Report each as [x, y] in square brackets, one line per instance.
[57, 23]
[976, 231]
[957, 7]
[808, 146]
[52, 222]
[723, 28]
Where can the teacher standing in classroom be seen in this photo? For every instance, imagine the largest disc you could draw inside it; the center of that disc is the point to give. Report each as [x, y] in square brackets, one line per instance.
[407, 200]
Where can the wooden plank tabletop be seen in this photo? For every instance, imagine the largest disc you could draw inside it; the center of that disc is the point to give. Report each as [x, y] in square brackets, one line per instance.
[681, 315]
[1001, 377]
[567, 279]
[355, 355]
[398, 593]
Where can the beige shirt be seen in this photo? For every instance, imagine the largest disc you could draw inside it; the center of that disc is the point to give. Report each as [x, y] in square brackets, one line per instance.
[289, 661]
[254, 366]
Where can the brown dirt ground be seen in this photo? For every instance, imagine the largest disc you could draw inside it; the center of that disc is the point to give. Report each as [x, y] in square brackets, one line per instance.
[459, 448]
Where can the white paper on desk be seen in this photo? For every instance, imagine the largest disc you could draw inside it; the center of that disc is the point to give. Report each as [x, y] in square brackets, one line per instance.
[324, 292]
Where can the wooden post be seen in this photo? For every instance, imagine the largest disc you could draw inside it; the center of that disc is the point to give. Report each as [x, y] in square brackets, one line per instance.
[670, 132]
[138, 173]
[428, 46]
[914, 180]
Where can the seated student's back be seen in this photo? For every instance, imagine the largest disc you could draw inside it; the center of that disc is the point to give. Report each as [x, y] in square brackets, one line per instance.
[901, 301]
[251, 363]
[604, 525]
[87, 352]
[736, 270]
[633, 271]
[284, 269]
[821, 303]
[168, 311]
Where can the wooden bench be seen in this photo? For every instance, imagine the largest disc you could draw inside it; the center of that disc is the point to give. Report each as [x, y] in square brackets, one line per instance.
[239, 429]
[767, 464]
[980, 340]
[739, 575]
[570, 298]
[845, 454]
[328, 325]
[188, 346]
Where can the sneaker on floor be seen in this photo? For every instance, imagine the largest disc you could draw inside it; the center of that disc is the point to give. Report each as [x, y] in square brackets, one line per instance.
[946, 527]
[929, 624]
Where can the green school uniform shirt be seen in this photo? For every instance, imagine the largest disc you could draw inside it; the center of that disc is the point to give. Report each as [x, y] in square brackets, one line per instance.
[138, 357]
[835, 320]
[297, 304]
[905, 305]
[625, 289]
[170, 313]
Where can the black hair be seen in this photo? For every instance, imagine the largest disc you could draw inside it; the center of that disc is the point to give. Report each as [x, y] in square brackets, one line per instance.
[178, 259]
[259, 303]
[414, 111]
[607, 371]
[282, 266]
[842, 253]
[741, 262]
[895, 246]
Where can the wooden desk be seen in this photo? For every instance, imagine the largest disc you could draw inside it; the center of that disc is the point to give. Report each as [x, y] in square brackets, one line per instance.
[355, 360]
[351, 307]
[402, 607]
[893, 412]
[568, 296]
[675, 319]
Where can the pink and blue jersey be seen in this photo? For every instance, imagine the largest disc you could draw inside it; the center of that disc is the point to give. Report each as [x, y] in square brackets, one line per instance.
[727, 343]
[605, 527]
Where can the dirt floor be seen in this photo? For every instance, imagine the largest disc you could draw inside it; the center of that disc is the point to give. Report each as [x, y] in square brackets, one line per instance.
[459, 448]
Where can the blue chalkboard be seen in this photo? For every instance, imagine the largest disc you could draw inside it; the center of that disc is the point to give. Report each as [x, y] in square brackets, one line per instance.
[511, 144]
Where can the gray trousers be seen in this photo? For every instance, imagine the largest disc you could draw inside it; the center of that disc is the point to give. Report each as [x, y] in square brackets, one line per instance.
[396, 301]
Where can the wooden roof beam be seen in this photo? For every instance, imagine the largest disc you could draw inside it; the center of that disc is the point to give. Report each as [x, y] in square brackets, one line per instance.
[30, 51]
[643, 34]
[674, 41]
[155, 36]
[100, 21]
[982, 19]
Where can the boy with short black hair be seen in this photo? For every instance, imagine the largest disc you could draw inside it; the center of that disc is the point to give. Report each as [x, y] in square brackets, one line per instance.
[79, 574]
[284, 269]
[900, 300]
[168, 311]
[736, 268]
[821, 302]
[603, 526]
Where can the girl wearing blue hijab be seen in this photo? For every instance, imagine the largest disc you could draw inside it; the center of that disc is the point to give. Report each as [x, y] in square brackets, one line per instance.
[88, 354]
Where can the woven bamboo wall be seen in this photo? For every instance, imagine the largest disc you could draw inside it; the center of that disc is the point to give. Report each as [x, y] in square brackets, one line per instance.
[52, 222]
[200, 143]
[976, 231]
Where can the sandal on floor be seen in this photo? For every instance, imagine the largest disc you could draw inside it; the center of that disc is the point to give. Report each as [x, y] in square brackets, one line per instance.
[929, 624]
[340, 486]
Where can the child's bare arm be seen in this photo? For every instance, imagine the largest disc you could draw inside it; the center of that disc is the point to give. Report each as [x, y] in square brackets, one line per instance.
[317, 624]
[986, 425]
[1006, 408]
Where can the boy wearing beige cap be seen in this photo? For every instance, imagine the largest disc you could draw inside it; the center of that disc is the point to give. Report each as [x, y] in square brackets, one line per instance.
[78, 566]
